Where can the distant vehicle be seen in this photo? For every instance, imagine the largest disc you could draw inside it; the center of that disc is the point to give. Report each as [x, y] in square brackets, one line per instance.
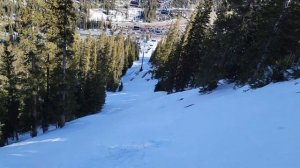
[153, 40]
[136, 28]
[164, 12]
[134, 4]
[158, 31]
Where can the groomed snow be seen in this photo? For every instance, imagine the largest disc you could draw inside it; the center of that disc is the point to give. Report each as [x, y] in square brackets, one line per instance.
[229, 128]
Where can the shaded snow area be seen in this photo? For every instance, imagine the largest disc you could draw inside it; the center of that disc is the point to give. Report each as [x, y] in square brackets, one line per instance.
[229, 128]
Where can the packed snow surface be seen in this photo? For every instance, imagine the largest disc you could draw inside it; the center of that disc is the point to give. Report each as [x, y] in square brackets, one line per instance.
[228, 128]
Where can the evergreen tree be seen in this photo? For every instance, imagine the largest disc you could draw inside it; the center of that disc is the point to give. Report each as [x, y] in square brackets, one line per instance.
[254, 42]
[3, 106]
[9, 83]
[49, 74]
[2, 94]
[192, 52]
[47, 113]
[162, 56]
[61, 32]
[278, 53]
[31, 43]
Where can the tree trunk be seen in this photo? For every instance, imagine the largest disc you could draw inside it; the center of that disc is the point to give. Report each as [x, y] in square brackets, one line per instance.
[64, 66]
[47, 98]
[34, 100]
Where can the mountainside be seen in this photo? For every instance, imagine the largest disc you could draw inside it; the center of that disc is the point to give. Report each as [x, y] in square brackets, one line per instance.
[229, 128]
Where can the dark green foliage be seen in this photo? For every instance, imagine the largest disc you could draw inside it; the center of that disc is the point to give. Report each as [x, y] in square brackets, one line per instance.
[61, 25]
[178, 61]
[9, 82]
[161, 59]
[250, 42]
[48, 73]
[193, 51]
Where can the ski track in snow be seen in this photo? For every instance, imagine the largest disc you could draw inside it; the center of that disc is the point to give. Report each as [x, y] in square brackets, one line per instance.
[229, 128]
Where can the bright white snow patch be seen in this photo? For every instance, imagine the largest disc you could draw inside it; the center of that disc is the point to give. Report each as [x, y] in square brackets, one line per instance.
[138, 128]
[127, 15]
[97, 15]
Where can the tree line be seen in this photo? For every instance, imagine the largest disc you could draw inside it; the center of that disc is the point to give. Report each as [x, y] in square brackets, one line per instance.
[83, 15]
[249, 42]
[48, 73]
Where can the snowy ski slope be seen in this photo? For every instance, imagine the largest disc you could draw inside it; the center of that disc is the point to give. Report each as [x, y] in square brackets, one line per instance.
[229, 128]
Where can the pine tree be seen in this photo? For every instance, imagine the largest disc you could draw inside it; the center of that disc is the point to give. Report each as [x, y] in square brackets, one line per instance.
[167, 47]
[30, 42]
[61, 32]
[281, 44]
[2, 94]
[161, 58]
[3, 106]
[48, 106]
[192, 53]
[10, 82]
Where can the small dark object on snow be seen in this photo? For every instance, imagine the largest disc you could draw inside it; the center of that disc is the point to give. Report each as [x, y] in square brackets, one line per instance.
[144, 74]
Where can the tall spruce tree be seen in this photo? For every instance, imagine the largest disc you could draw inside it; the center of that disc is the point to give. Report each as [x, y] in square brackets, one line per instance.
[161, 57]
[3, 95]
[48, 75]
[10, 87]
[29, 26]
[278, 53]
[61, 22]
[192, 52]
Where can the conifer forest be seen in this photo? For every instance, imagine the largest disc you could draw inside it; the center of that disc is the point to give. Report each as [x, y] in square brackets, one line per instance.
[63, 60]
[250, 42]
[48, 73]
